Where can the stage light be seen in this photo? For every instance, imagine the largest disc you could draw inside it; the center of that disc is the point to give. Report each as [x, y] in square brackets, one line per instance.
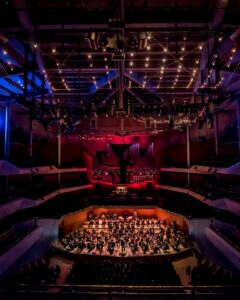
[2, 118]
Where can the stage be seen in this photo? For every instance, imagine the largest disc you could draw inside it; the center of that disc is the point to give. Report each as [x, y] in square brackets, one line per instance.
[125, 232]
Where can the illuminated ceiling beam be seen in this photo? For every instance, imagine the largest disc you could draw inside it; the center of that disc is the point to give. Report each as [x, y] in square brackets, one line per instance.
[103, 102]
[130, 26]
[103, 81]
[137, 79]
[23, 15]
[4, 89]
[219, 13]
[134, 95]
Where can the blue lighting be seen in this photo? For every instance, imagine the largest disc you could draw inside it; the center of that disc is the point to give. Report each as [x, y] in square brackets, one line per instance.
[12, 88]
[1, 121]
[102, 81]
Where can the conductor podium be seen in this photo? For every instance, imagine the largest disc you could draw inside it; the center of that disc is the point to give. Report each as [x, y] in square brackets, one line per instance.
[120, 190]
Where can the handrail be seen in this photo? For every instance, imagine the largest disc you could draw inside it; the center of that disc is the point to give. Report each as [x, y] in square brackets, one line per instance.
[125, 289]
[18, 239]
[225, 238]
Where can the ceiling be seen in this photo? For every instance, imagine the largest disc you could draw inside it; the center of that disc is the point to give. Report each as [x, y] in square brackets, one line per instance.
[129, 56]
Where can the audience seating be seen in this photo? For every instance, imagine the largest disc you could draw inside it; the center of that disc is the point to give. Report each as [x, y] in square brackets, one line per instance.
[38, 272]
[138, 273]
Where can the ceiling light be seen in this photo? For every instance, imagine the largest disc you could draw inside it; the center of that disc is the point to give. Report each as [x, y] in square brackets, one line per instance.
[4, 51]
[35, 45]
[132, 54]
[183, 48]
[200, 47]
[89, 56]
[54, 50]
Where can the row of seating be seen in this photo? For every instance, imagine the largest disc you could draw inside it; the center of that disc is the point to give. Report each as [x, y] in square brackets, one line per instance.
[138, 273]
[38, 272]
[206, 273]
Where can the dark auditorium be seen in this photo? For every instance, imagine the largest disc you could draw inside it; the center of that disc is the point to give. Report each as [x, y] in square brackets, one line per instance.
[119, 149]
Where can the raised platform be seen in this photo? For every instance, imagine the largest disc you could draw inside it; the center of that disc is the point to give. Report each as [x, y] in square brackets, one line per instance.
[123, 232]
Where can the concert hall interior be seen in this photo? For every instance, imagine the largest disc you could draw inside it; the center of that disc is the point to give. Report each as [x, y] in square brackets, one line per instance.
[120, 149]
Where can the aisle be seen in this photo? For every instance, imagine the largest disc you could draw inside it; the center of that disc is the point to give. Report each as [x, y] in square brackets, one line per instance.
[180, 267]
